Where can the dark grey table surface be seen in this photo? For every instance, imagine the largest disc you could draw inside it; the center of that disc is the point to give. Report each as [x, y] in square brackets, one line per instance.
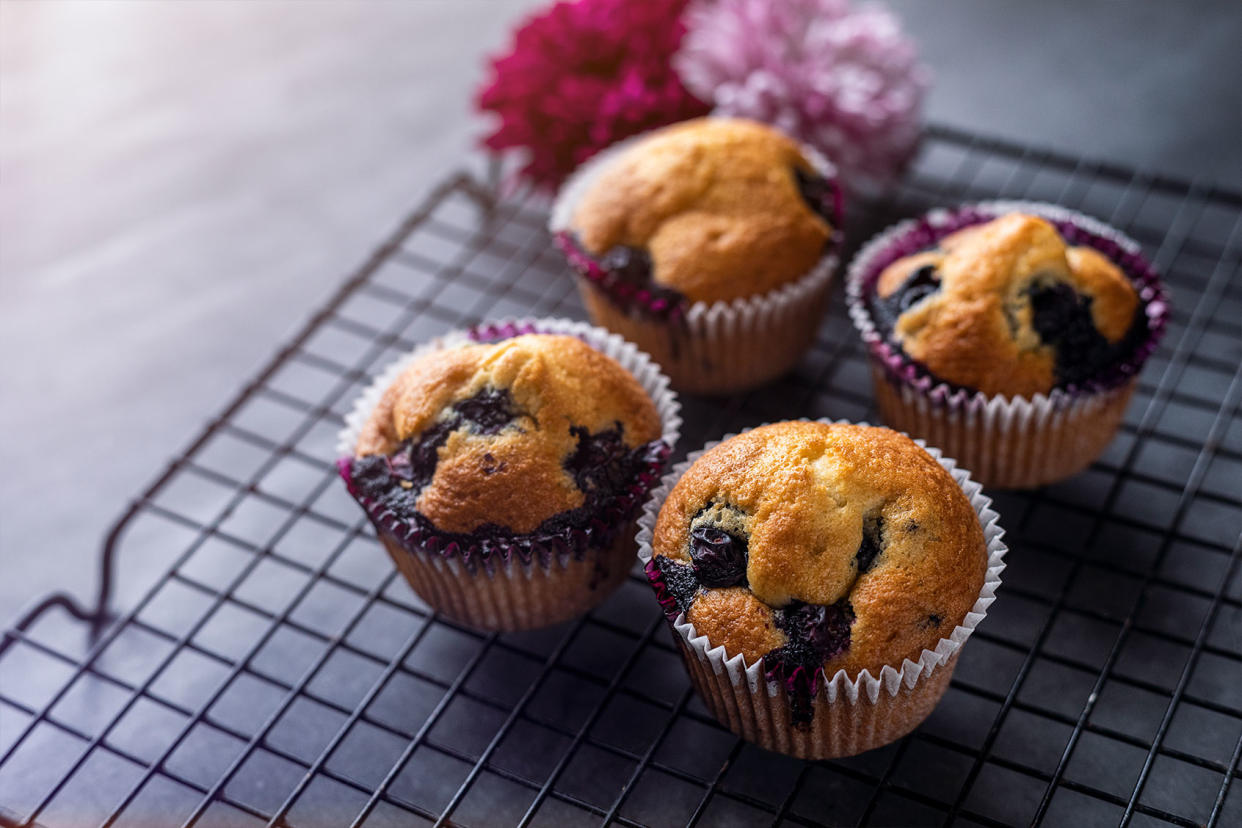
[181, 183]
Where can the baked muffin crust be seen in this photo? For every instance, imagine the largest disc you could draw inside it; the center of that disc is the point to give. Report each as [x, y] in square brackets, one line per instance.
[514, 432]
[717, 205]
[999, 308]
[848, 547]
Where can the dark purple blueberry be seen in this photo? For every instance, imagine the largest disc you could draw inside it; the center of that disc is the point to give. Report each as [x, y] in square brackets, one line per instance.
[870, 546]
[920, 284]
[824, 631]
[719, 557]
[370, 476]
[488, 411]
[629, 264]
[679, 581]
[1062, 318]
[424, 452]
[932, 622]
[600, 460]
[816, 192]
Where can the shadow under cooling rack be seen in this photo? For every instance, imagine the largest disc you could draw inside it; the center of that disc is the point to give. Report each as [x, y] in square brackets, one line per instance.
[268, 667]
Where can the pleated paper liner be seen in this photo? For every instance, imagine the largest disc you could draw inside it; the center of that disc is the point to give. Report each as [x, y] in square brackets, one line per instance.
[716, 348]
[849, 714]
[1006, 442]
[524, 581]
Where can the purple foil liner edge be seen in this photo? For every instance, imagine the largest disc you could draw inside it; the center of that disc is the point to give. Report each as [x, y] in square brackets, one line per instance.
[903, 370]
[499, 331]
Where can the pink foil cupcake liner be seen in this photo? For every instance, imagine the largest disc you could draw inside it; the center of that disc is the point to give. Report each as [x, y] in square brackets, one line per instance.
[850, 714]
[706, 348]
[486, 581]
[1008, 442]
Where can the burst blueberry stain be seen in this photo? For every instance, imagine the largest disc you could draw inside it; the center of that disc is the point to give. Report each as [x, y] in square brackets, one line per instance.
[815, 634]
[371, 476]
[920, 284]
[488, 411]
[719, 557]
[421, 455]
[869, 549]
[816, 192]
[631, 265]
[598, 461]
[932, 622]
[1062, 318]
[679, 580]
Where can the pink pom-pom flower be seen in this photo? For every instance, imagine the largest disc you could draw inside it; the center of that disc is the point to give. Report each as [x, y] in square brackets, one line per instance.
[844, 80]
[582, 75]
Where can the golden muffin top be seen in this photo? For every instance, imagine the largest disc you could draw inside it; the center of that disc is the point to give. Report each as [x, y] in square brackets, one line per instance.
[717, 205]
[1007, 307]
[806, 544]
[507, 434]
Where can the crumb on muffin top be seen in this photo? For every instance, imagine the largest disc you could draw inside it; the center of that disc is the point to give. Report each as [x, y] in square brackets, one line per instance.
[810, 544]
[1006, 307]
[716, 203]
[511, 433]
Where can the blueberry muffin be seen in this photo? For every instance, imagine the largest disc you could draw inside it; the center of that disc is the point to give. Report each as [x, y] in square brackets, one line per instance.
[712, 213]
[504, 477]
[1007, 334]
[810, 549]
[1007, 307]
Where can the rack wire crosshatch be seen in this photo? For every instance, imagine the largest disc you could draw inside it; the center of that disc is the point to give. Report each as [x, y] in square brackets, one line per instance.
[269, 667]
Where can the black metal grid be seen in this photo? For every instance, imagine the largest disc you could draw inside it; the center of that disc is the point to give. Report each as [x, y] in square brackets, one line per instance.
[270, 667]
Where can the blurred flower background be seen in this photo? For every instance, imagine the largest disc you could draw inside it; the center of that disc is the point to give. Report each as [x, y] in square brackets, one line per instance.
[584, 74]
[843, 78]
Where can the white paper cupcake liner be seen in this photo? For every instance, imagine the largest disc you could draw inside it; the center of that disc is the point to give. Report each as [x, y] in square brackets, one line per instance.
[1007, 442]
[850, 714]
[512, 586]
[713, 348]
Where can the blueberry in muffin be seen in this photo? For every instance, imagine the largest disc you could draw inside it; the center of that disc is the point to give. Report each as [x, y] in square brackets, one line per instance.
[814, 548]
[1008, 307]
[535, 451]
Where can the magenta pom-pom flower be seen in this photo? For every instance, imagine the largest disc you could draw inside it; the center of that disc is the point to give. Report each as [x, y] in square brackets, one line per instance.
[844, 80]
[582, 75]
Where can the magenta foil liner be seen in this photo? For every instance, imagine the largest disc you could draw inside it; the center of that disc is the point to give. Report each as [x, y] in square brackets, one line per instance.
[416, 534]
[911, 236]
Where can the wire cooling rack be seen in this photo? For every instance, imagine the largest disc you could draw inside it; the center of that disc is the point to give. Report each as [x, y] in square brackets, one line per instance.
[268, 667]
